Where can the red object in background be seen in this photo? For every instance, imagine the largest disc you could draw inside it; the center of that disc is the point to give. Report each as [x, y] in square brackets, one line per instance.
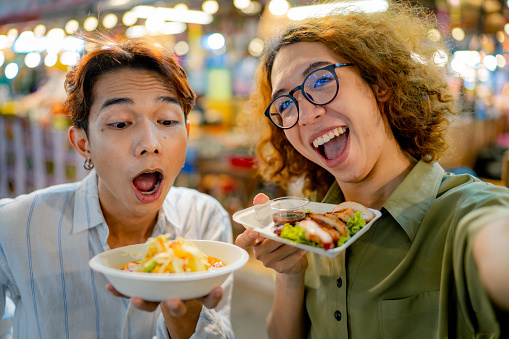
[242, 161]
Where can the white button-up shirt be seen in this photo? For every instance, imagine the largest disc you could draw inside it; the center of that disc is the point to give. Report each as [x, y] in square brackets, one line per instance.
[46, 240]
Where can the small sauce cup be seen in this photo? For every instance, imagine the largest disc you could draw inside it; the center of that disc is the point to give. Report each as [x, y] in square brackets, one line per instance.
[288, 210]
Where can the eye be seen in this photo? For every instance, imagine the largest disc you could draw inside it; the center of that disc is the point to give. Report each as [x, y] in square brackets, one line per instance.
[285, 106]
[119, 125]
[322, 82]
[168, 122]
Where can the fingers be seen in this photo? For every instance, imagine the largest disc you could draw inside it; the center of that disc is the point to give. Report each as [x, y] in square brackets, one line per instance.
[247, 239]
[149, 306]
[212, 299]
[179, 308]
[260, 198]
[112, 290]
[281, 258]
[176, 307]
[144, 305]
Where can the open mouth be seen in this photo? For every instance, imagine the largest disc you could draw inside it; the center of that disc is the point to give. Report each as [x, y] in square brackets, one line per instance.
[332, 143]
[148, 182]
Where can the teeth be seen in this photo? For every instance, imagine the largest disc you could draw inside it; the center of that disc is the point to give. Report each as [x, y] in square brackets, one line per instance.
[336, 132]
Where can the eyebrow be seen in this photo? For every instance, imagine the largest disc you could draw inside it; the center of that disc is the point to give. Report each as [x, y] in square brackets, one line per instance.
[311, 67]
[168, 99]
[116, 101]
[129, 101]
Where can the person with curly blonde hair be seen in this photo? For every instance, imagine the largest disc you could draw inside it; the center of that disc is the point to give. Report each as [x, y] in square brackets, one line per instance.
[354, 104]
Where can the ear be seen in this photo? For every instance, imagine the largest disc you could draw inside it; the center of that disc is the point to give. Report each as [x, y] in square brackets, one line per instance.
[382, 94]
[188, 126]
[79, 140]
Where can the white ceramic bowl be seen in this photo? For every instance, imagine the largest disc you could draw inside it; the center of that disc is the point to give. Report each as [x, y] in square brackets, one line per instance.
[163, 286]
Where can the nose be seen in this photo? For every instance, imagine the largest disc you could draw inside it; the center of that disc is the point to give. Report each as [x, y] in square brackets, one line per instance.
[148, 139]
[309, 112]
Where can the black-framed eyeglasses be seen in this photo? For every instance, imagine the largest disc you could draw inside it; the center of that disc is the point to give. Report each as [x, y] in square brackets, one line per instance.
[320, 87]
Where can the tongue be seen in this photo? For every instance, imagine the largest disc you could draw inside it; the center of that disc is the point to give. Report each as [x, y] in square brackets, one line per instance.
[145, 182]
[333, 148]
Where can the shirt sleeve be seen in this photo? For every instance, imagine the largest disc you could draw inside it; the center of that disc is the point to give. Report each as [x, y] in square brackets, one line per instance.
[475, 305]
[6, 304]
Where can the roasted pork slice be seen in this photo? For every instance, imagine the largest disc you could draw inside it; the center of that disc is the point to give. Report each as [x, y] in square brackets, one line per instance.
[366, 214]
[331, 221]
[316, 234]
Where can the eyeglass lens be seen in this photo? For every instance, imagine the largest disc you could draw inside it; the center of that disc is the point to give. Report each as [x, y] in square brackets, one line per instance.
[319, 88]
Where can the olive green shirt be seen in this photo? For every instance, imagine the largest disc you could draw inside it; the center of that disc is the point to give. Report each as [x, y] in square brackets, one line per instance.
[412, 275]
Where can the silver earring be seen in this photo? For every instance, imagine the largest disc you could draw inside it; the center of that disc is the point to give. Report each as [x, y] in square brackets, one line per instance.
[88, 165]
[427, 157]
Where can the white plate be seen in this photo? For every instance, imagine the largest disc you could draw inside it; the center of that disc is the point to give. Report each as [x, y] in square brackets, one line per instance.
[259, 217]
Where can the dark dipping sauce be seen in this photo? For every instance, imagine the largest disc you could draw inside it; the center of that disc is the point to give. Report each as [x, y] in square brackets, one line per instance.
[281, 218]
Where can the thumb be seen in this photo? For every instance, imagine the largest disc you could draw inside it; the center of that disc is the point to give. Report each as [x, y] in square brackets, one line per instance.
[260, 198]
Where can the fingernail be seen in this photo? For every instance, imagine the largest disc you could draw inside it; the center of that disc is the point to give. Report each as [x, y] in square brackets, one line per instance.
[252, 234]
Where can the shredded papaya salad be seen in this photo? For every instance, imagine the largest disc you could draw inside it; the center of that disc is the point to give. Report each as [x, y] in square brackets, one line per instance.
[163, 255]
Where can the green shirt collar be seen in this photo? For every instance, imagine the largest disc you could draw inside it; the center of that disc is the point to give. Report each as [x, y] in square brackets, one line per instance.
[411, 200]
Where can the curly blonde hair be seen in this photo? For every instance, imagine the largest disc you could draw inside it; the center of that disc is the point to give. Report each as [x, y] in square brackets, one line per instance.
[393, 50]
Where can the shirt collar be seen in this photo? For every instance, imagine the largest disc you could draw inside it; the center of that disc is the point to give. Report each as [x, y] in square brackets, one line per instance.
[87, 209]
[88, 213]
[411, 200]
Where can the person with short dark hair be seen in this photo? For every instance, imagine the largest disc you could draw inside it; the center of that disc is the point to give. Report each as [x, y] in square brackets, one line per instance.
[128, 102]
[356, 104]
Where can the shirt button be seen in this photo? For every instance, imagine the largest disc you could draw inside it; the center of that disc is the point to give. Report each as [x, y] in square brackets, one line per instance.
[339, 282]
[337, 315]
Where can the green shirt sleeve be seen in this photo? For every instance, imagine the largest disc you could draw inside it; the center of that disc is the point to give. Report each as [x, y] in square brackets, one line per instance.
[478, 316]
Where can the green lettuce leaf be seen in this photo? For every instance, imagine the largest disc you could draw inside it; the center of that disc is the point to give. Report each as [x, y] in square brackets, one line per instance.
[296, 234]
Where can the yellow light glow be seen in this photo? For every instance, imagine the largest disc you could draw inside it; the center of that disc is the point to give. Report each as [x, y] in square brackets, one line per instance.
[181, 48]
[129, 18]
[318, 11]
[278, 7]
[501, 62]
[181, 7]
[32, 60]
[39, 30]
[12, 33]
[256, 46]
[253, 8]
[72, 26]
[154, 23]
[210, 6]
[90, 23]
[241, 4]
[110, 21]
[172, 14]
[3, 41]
[458, 34]
[11, 71]
[500, 36]
[55, 40]
[50, 60]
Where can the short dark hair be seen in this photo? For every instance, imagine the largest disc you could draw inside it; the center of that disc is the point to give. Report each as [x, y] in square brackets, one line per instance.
[110, 56]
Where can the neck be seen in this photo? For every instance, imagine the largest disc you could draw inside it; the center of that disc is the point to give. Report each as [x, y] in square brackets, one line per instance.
[376, 188]
[129, 230]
